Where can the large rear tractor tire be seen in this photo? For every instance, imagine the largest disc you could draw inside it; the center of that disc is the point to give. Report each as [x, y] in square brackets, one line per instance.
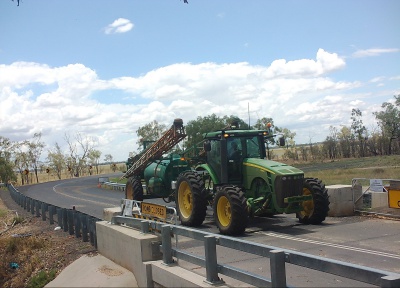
[315, 210]
[230, 210]
[134, 189]
[190, 199]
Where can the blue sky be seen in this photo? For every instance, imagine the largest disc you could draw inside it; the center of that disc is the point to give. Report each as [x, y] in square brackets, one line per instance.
[105, 68]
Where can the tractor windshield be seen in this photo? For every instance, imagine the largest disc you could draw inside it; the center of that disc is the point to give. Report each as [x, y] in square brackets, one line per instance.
[254, 147]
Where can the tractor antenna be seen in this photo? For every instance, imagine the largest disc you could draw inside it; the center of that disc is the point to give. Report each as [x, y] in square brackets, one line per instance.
[248, 112]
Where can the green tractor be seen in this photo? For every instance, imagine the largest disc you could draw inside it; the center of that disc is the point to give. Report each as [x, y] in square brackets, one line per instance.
[236, 179]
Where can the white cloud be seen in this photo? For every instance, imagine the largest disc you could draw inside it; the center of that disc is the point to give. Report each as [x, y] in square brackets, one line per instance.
[121, 25]
[297, 94]
[374, 52]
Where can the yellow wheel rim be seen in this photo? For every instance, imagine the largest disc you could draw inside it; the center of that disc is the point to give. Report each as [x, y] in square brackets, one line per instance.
[224, 211]
[308, 206]
[185, 200]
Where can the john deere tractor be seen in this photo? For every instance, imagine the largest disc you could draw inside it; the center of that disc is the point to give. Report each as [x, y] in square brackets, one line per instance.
[236, 179]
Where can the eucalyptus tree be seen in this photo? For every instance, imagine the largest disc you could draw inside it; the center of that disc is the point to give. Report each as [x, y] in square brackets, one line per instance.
[109, 159]
[5, 148]
[263, 123]
[389, 121]
[94, 159]
[150, 132]
[21, 161]
[359, 130]
[345, 139]
[34, 149]
[6, 171]
[57, 160]
[79, 149]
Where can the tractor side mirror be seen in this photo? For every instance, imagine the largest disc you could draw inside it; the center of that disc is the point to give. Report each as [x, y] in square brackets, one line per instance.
[207, 146]
[282, 141]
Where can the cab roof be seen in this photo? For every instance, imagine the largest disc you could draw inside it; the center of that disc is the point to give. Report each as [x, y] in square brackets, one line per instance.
[236, 133]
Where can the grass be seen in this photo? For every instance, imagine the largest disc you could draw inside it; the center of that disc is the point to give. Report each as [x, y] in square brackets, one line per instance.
[344, 170]
[21, 251]
[345, 176]
[42, 279]
[3, 213]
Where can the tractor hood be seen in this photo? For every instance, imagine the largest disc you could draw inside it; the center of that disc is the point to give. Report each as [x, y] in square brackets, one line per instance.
[273, 167]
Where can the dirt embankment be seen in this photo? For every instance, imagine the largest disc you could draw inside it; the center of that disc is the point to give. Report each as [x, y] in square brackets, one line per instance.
[32, 251]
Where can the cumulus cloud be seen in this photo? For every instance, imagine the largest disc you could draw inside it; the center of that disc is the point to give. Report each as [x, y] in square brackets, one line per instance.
[374, 52]
[121, 25]
[297, 94]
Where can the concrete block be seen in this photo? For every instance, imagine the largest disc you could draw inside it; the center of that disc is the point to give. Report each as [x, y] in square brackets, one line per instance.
[379, 199]
[128, 248]
[341, 200]
[108, 213]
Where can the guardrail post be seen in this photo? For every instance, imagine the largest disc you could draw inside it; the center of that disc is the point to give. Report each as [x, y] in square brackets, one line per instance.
[144, 227]
[84, 228]
[95, 232]
[60, 217]
[25, 202]
[51, 213]
[210, 248]
[278, 270]
[44, 210]
[28, 204]
[70, 222]
[32, 206]
[37, 208]
[65, 219]
[92, 231]
[77, 223]
[390, 281]
[166, 244]
[18, 198]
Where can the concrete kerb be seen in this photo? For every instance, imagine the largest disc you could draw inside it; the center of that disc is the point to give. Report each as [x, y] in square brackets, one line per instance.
[134, 251]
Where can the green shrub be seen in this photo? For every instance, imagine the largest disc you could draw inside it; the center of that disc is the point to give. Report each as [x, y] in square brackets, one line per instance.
[42, 279]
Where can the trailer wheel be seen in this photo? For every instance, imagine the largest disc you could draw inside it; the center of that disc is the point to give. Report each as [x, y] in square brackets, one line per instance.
[315, 210]
[230, 210]
[134, 189]
[190, 199]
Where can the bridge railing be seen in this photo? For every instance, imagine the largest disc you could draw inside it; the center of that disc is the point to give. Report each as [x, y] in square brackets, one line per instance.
[70, 220]
[278, 257]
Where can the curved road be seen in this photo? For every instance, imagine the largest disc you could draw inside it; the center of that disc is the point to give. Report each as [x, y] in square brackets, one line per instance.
[367, 241]
[82, 193]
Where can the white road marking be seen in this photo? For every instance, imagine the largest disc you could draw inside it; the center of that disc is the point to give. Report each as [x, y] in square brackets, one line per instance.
[81, 199]
[331, 245]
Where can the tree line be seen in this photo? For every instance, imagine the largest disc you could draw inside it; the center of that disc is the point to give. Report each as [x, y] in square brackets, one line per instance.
[82, 158]
[23, 158]
[357, 140]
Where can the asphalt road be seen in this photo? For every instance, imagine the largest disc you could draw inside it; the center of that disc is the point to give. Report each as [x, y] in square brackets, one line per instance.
[362, 240]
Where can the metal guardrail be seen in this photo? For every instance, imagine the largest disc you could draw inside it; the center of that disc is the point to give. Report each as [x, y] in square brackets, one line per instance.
[278, 257]
[70, 220]
[113, 186]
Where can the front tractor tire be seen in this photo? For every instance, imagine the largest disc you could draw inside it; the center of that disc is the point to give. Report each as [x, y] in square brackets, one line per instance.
[230, 210]
[190, 199]
[134, 189]
[315, 210]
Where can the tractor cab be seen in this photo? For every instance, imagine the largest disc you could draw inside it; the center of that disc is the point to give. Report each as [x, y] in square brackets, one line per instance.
[228, 149]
